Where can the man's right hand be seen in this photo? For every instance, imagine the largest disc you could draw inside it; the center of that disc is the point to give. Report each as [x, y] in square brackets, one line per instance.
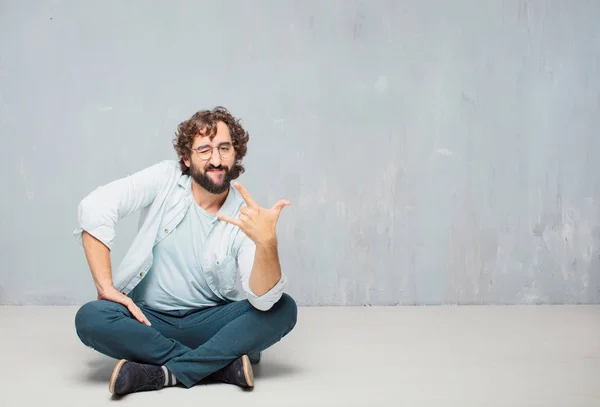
[98, 257]
[112, 294]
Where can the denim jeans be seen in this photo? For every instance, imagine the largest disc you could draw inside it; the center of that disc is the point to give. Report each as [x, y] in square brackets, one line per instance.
[191, 344]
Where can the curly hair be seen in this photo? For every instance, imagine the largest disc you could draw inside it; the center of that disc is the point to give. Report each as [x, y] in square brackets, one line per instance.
[205, 121]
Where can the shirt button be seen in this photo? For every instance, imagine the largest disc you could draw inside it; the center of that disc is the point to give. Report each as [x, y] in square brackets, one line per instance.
[166, 230]
[142, 274]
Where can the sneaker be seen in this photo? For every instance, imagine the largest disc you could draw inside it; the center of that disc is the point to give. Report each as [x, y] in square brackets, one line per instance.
[239, 372]
[129, 377]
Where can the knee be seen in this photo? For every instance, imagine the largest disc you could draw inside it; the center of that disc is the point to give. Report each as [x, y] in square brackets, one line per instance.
[89, 319]
[85, 318]
[287, 308]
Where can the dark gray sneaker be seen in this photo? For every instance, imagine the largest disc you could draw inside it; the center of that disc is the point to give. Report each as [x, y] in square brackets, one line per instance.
[238, 372]
[129, 377]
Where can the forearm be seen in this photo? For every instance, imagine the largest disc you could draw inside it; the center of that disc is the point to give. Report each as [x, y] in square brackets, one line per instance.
[98, 258]
[266, 270]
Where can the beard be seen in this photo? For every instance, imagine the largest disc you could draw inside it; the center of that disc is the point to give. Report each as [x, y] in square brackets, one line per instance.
[207, 183]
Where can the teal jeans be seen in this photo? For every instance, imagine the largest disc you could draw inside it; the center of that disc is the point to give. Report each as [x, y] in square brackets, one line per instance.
[191, 344]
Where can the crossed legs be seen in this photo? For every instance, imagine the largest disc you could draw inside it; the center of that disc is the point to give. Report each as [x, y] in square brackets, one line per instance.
[191, 345]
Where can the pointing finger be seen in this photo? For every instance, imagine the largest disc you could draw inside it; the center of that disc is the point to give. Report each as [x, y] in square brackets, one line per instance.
[246, 195]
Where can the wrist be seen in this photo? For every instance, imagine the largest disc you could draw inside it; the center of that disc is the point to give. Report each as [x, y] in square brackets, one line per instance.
[269, 242]
[105, 288]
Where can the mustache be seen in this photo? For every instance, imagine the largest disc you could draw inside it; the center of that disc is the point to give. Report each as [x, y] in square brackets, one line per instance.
[212, 167]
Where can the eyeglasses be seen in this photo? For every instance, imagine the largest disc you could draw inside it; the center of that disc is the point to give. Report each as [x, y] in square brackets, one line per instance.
[226, 150]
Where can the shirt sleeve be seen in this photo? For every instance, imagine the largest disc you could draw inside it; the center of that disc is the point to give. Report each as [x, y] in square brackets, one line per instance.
[99, 211]
[245, 263]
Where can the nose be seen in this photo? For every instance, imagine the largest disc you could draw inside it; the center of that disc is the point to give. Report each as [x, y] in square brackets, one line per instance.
[215, 158]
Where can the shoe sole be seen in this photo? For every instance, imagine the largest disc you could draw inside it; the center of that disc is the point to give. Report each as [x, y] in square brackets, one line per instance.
[248, 372]
[115, 374]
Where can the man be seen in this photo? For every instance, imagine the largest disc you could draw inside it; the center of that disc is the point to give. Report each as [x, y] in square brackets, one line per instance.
[199, 294]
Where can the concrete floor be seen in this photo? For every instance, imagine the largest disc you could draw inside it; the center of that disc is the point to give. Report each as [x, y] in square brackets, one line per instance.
[409, 356]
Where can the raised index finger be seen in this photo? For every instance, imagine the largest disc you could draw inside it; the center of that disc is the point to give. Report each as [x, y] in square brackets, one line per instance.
[246, 195]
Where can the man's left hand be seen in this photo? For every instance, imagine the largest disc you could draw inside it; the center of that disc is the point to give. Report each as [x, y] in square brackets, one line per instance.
[259, 224]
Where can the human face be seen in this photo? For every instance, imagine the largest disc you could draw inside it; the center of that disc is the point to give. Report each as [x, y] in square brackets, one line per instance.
[211, 161]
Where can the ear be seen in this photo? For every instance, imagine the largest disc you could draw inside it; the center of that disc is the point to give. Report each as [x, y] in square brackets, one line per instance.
[186, 160]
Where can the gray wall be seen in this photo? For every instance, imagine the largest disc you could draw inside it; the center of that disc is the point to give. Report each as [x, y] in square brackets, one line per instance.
[434, 151]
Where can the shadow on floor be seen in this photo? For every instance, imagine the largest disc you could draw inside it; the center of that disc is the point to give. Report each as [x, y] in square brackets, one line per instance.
[101, 368]
[268, 369]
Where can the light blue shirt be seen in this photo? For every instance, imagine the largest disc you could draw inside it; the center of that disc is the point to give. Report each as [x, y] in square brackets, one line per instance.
[161, 194]
[176, 280]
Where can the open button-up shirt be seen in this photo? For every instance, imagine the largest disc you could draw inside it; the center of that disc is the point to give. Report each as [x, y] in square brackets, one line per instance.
[159, 193]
